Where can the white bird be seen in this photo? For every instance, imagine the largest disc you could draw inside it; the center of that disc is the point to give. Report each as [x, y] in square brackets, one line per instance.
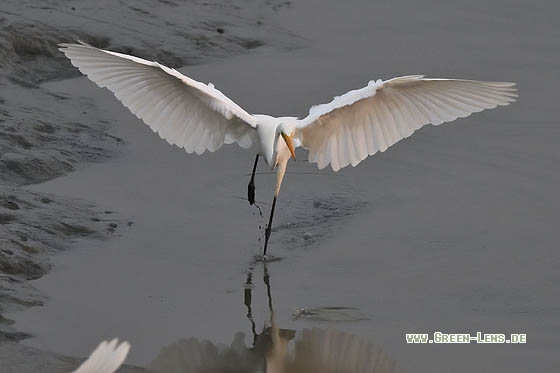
[198, 117]
[106, 358]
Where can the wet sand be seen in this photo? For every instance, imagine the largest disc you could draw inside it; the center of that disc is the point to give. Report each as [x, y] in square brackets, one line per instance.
[451, 230]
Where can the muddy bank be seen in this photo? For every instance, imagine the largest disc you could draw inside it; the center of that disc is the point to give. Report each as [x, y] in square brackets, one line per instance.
[34, 226]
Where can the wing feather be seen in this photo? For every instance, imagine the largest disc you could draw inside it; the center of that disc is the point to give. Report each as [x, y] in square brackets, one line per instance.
[371, 119]
[106, 358]
[184, 112]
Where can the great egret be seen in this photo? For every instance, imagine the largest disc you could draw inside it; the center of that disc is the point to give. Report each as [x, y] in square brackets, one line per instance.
[198, 117]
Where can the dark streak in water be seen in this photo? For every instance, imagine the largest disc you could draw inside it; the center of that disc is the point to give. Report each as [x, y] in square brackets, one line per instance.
[331, 314]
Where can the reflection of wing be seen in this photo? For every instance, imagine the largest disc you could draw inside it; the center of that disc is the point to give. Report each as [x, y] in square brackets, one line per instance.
[330, 351]
[312, 350]
[106, 358]
[193, 355]
[371, 119]
[186, 113]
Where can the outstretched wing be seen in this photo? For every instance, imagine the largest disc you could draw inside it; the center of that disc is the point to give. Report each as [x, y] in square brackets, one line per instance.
[183, 111]
[106, 358]
[371, 119]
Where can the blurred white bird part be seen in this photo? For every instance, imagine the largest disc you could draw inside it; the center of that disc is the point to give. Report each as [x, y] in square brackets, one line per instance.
[106, 358]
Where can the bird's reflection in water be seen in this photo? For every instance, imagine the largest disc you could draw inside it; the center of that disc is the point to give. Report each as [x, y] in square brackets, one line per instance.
[275, 350]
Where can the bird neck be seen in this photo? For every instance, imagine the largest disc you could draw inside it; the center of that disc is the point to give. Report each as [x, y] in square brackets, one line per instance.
[268, 139]
[272, 147]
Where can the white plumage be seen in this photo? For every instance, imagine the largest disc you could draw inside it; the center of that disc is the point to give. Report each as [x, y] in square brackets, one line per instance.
[198, 117]
[186, 113]
[371, 119]
[106, 358]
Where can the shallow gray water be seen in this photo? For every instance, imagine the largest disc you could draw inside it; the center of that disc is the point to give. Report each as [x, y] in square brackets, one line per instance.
[452, 230]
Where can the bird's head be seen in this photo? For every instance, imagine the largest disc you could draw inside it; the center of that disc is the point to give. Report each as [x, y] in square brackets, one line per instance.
[287, 133]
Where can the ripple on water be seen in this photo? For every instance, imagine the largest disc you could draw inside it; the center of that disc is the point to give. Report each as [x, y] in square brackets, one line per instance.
[316, 219]
[336, 313]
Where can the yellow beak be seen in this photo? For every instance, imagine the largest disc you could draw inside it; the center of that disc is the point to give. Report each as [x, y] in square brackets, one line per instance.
[290, 144]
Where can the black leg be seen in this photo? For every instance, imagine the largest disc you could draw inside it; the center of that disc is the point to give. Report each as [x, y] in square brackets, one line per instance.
[251, 186]
[269, 226]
